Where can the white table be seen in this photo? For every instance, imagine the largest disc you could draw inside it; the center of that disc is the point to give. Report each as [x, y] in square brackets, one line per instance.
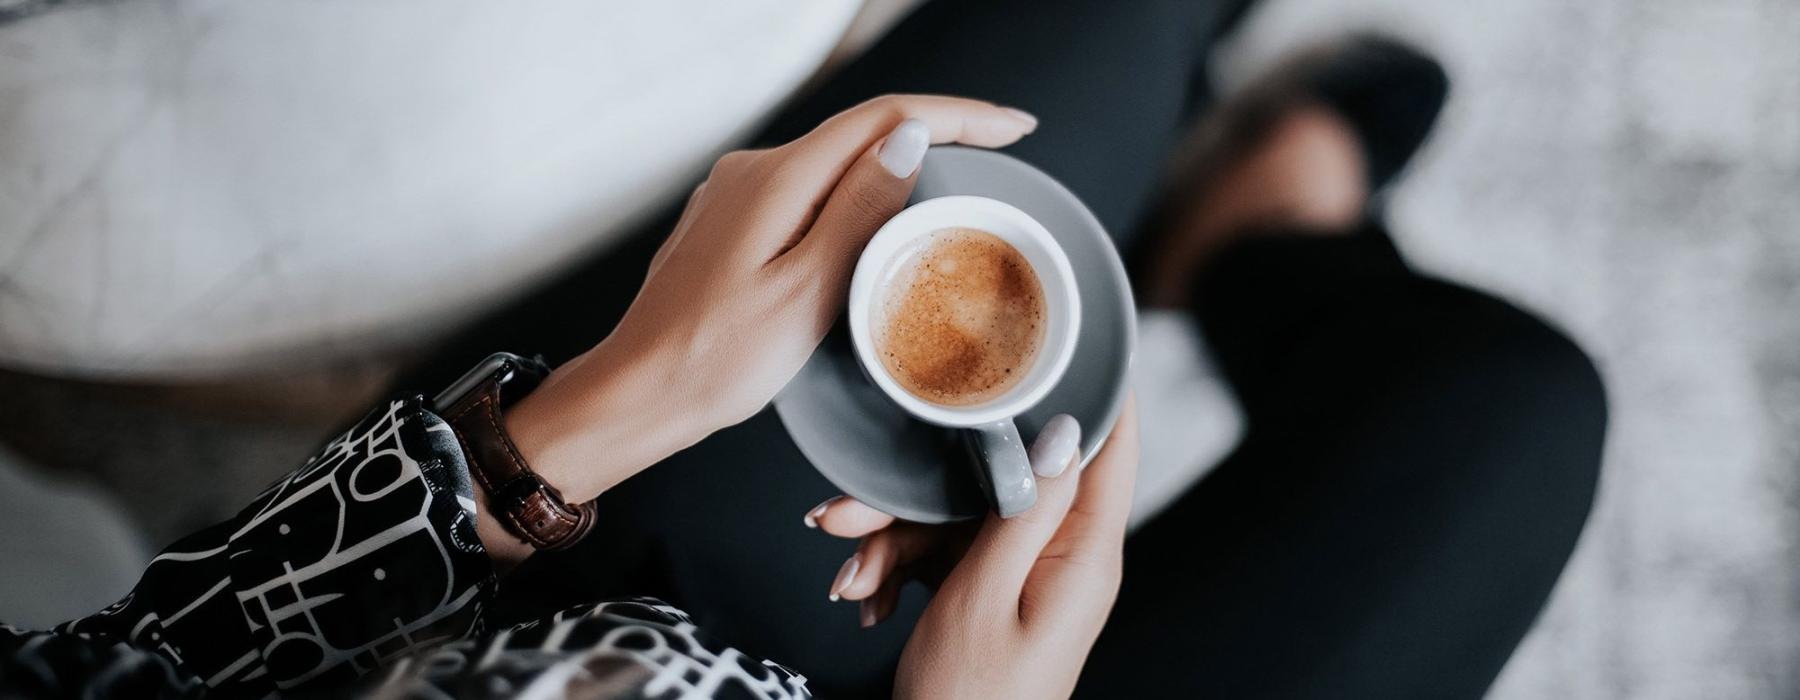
[214, 188]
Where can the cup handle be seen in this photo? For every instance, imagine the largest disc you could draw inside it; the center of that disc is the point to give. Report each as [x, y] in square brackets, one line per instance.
[1002, 466]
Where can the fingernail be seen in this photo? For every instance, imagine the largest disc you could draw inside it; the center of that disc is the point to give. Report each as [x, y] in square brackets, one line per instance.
[1024, 116]
[867, 612]
[845, 576]
[1055, 446]
[812, 516]
[905, 148]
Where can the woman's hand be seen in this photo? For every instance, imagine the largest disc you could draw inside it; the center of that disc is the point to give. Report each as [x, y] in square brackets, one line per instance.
[1017, 615]
[746, 286]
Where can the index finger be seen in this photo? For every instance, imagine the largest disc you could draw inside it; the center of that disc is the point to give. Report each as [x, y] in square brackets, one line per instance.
[847, 517]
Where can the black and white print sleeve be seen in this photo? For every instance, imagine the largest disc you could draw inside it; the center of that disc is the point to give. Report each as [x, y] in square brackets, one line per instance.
[641, 648]
[364, 559]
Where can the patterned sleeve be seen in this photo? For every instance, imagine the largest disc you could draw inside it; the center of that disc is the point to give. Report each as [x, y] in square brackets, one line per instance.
[364, 554]
[365, 558]
[639, 648]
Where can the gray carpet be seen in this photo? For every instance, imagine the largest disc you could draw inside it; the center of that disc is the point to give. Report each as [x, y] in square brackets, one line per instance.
[1631, 168]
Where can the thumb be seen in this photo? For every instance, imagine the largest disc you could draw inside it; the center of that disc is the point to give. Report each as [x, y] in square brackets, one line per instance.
[873, 190]
[1086, 556]
[1001, 557]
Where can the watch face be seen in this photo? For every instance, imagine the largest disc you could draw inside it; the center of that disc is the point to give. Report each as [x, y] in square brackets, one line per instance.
[505, 364]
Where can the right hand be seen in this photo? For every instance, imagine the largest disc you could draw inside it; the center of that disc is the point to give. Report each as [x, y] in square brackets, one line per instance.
[1017, 615]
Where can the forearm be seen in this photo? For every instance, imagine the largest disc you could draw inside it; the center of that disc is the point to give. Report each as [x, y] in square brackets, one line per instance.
[593, 423]
[603, 417]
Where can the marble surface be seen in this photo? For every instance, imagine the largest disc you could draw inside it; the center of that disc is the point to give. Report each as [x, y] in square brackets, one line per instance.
[212, 187]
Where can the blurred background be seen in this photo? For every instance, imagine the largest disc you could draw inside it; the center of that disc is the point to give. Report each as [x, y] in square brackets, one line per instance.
[200, 203]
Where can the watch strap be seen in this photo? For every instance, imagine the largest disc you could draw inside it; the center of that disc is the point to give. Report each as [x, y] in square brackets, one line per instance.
[532, 509]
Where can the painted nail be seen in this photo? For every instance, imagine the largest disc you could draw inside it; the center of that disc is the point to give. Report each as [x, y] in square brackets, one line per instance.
[905, 148]
[1055, 446]
[812, 516]
[845, 576]
[1024, 116]
[867, 613]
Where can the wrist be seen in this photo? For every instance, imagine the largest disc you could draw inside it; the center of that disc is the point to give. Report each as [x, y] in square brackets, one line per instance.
[598, 420]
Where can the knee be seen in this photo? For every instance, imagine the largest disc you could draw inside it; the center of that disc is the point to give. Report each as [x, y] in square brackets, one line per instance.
[1547, 375]
[1526, 393]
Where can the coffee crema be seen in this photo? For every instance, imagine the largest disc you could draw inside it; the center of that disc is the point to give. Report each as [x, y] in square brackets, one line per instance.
[963, 318]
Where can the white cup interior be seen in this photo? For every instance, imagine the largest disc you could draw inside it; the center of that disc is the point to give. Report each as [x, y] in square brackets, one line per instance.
[905, 234]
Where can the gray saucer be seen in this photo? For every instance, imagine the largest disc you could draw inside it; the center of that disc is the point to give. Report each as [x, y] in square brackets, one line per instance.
[865, 445]
[875, 452]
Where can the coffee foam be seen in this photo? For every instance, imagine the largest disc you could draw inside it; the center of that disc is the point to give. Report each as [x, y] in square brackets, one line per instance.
[963, 318]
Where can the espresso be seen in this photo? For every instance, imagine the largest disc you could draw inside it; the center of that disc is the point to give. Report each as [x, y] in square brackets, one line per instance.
[962, 320]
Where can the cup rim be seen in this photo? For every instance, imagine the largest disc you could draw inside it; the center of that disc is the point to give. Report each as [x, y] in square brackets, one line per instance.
[869, 269]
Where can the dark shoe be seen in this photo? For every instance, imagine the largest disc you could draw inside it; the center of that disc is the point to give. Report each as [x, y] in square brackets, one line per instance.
[1389, 94]
[1378, 99]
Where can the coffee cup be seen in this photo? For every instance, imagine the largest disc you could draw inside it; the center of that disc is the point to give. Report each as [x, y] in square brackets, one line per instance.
[970, 370]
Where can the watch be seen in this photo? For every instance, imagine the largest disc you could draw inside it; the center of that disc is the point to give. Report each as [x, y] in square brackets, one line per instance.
[531, 509]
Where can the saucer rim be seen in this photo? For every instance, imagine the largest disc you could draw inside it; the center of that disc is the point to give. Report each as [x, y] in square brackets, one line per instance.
[1125, 305]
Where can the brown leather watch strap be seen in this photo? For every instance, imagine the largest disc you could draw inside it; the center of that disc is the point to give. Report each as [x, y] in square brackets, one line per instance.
[530, 508]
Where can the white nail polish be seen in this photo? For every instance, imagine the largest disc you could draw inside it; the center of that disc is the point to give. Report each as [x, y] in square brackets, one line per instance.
[867, 613]
[1024, 116]
[812, 516]
[846, 574]
[1055, 446]
[905, 148]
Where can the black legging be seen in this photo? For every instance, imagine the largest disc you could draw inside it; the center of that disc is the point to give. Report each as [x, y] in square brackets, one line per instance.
[1419, 460]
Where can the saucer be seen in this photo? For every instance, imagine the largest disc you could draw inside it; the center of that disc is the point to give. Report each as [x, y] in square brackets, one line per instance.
[872, 450]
